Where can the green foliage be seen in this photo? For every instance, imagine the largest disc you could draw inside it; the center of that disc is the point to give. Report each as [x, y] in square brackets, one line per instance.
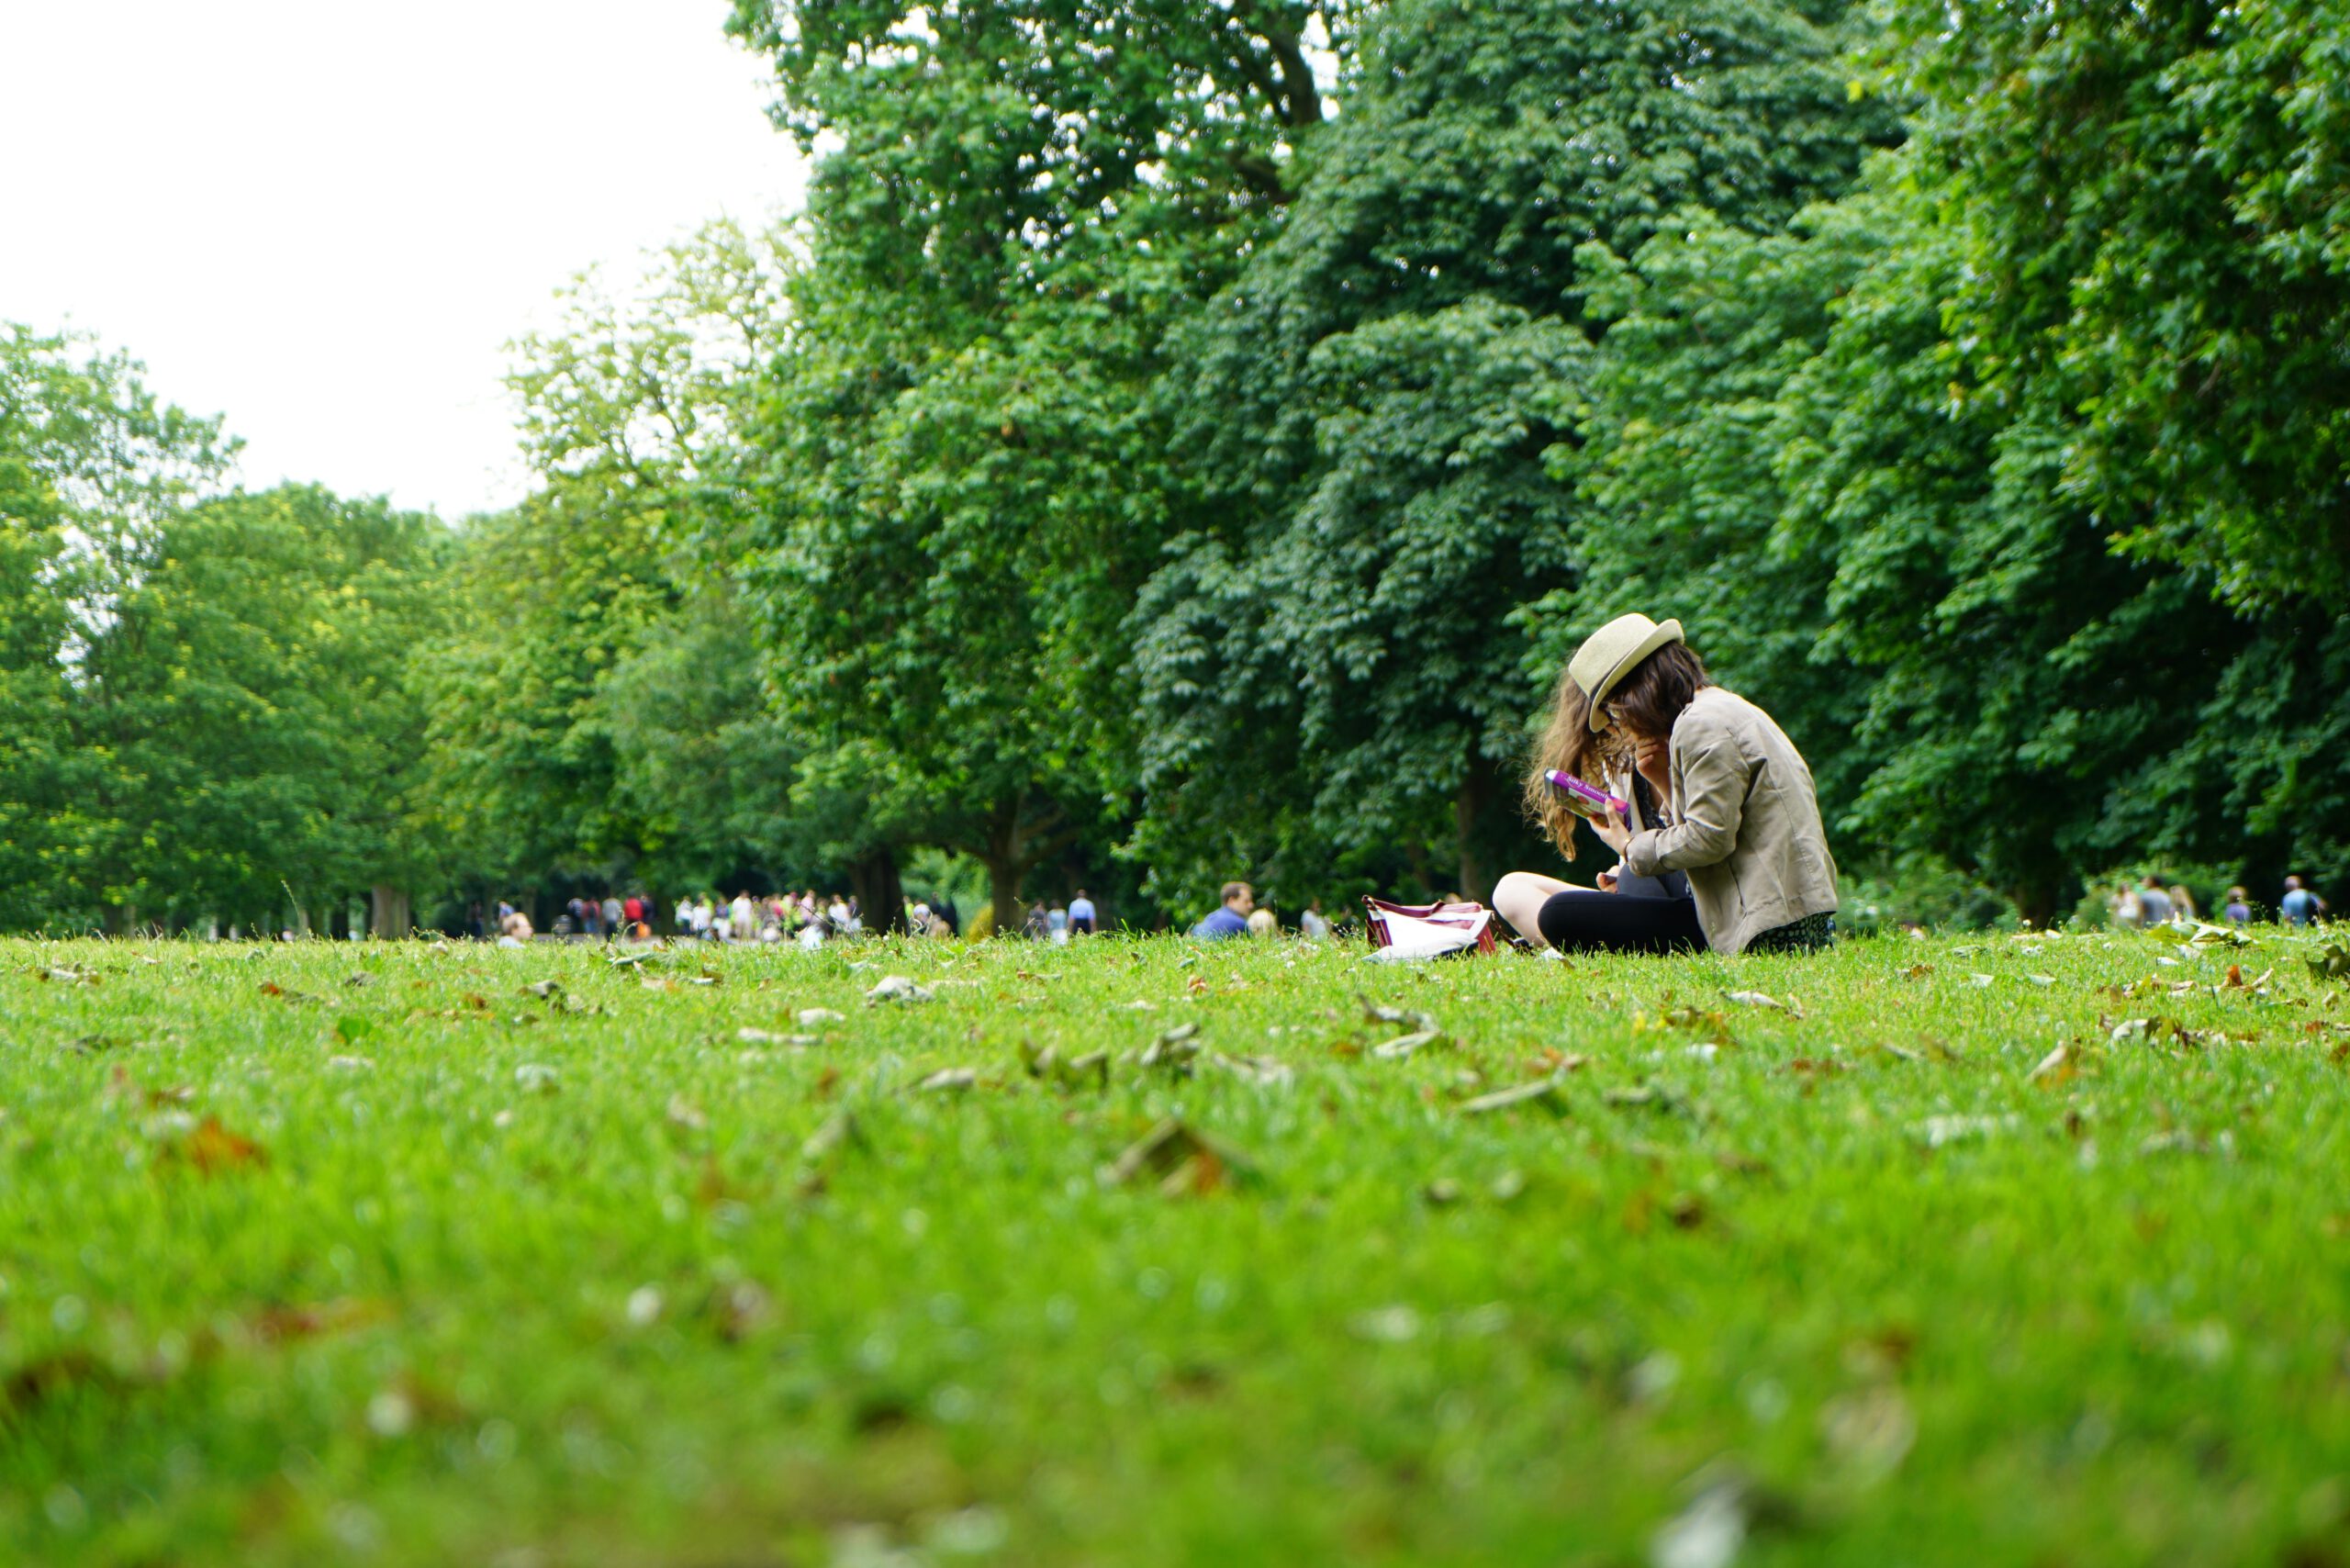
[2154, 202]
[1368, 409]
[1790, 449]
[246, 705]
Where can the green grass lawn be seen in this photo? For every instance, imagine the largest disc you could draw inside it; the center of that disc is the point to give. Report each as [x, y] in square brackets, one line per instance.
[410, 1254]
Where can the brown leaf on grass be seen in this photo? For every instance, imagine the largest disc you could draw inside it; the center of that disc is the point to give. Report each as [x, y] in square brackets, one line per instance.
[1918, 971]
[1184, 1160]
[34, 1382]
[2057, 1067]
[1174, 1049]
[1544, 1093]
[212, 1149]
[1410, 1018]
[1405, 1044]
[271, 988]
[1197, 985]
[280, 1322]
[1764, 1000]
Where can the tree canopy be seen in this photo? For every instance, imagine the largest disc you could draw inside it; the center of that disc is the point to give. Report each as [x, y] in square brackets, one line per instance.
[1178, 443]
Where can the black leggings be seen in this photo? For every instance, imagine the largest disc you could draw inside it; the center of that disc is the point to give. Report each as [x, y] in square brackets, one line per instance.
[1582, 919]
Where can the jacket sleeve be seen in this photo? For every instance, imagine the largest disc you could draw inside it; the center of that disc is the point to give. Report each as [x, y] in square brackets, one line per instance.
[1711, 774]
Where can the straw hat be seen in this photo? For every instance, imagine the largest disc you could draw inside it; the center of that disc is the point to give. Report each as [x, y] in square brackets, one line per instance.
[1609, 654]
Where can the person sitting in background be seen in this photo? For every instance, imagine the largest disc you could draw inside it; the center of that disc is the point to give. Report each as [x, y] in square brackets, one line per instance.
[1230, 918]
[1261, 924]
[2298, 906]
[2153, 904]
[2123, 907]
[1314, 924]
[2239, 909]
[1081, 914]
[2182, 902]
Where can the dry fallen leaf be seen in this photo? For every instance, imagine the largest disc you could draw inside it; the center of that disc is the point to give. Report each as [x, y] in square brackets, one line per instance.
[1405, 1044]
[212, 1149]
[1185, 1162]
[1544, 1093]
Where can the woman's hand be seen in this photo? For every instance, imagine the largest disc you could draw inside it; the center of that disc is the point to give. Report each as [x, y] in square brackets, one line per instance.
[1611, 830]
[1606, 879]
[1654, 759]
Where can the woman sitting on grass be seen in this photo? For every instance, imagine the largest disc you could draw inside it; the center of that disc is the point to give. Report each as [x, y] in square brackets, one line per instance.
[1723, 846]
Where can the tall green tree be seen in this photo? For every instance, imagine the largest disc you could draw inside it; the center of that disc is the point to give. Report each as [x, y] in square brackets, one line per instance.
[1327, 666]
[598, 710]
[1014, 203]
[2157, 210]
[92, 467]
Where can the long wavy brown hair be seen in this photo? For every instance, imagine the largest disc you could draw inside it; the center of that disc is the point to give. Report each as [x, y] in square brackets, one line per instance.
[1645, 702]
[1566, 743]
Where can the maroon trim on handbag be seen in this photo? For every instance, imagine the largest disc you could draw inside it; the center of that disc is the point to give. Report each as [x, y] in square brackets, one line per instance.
[1377, 912]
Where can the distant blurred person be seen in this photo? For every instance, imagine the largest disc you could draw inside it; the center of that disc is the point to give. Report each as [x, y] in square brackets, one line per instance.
[684, 918]
[1056, 925]
[1314, 924]
[615, 910]
[514, 930]
[742, 920]
[2182, 902]
[1081, 914]
[2299, 907]
[1261, 924]
[2239, 909]
[2122, 905]
[2153, 904]
[1038, 924]
[1231, 917]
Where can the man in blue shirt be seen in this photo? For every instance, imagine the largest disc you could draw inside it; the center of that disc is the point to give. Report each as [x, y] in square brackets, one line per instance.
[2299, 906]
[1232, 919]
[1081, 914]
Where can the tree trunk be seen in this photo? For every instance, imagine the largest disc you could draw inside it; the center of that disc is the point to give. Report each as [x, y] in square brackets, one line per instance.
[1002, 858]
[881, 891]
[1467, 809]
[389, 918]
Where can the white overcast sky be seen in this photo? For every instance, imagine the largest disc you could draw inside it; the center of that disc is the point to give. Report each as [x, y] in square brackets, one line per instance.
[324, 219]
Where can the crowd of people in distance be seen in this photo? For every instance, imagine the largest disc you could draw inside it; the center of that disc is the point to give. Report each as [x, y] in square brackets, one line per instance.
[2150, 904]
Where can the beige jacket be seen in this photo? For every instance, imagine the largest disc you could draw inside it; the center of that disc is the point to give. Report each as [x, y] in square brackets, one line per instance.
[1747, 828]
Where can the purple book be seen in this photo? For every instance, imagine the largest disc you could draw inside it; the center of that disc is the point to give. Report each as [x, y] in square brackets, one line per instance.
[1581, 798]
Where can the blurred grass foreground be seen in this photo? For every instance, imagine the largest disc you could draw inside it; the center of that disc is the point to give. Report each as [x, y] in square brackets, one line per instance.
[2005, 1249]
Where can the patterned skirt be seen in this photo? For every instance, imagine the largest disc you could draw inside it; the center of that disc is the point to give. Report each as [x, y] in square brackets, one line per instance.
[1810, 934]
